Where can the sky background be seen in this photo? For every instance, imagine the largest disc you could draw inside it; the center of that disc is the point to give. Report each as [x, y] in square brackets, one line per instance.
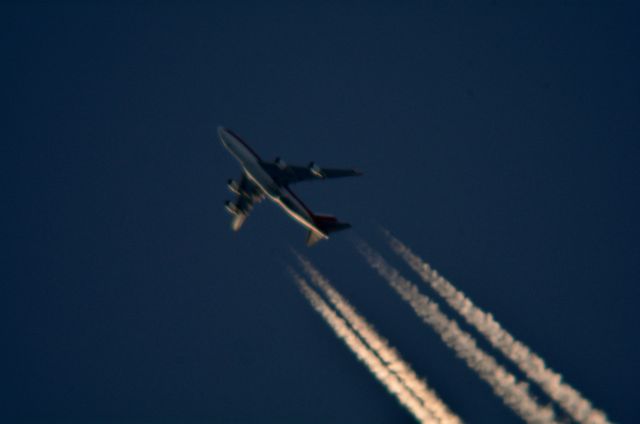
[500, 142]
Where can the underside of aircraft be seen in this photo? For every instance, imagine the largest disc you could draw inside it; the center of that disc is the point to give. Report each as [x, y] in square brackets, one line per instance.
[263, 179]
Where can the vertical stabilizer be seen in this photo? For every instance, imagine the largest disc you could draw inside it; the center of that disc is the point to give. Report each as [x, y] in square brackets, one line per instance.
[313, 238]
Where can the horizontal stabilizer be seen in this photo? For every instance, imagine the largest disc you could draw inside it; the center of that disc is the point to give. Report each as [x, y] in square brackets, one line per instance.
[330, 224]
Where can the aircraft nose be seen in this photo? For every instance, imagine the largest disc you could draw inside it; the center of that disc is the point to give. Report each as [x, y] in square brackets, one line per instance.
[223, 134]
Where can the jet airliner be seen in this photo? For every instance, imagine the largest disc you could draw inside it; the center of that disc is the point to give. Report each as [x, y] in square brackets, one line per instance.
[263, 179]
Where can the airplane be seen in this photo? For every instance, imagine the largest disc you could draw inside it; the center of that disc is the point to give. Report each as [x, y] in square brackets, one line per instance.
[262, 179]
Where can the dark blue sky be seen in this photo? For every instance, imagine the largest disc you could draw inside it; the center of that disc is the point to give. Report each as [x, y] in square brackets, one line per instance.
[500, 142]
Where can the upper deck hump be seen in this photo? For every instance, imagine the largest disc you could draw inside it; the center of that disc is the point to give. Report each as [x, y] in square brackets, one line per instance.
[226, 135]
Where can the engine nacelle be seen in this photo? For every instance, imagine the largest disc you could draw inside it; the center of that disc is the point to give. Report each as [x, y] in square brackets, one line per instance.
[234, 186]
[280, 163]
[231, 208]
[316, 170]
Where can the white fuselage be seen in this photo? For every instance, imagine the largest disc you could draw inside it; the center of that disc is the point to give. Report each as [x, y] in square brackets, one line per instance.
[281, 195]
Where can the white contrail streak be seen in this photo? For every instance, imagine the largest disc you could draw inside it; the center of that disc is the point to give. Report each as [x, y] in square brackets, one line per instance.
[380, 346]
[513, 393]
[531, 364]
[363, 353]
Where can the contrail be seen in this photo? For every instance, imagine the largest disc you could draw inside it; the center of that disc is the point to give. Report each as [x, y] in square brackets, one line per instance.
[381, 347]
[513, 393]
[363, 353]
[579, 408]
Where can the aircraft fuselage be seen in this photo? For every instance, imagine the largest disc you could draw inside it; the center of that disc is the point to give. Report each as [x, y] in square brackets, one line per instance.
[256, 172]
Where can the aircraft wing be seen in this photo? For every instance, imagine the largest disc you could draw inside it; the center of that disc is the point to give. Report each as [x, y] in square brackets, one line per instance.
[247, 194]
[291, 174]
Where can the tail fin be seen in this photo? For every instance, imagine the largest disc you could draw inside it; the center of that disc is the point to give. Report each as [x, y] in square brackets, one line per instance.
[327, 224]
[313, 238]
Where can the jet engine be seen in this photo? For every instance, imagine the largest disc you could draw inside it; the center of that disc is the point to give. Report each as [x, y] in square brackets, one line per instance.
[234, 186]
[280, 163]
[316, 170]
[231, 208]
